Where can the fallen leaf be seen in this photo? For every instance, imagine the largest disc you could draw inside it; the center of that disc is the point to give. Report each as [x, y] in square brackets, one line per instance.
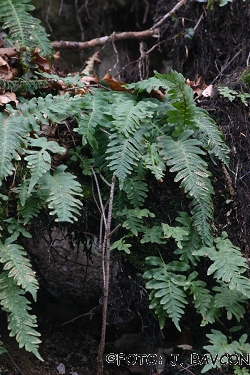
[8, 97]
[114, 84]
[209, 90]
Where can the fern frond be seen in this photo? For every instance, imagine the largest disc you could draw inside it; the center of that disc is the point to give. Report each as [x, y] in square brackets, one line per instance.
[202, 298]
[211, 137]
[124, 156]
[153, 161]
[21, 323]
[29, 205]
[62, 189]
[134, 219]
[219, 346]
[24, 30]
[153, 235]
[92, 114]
[20, 84]
[39, 161]
[43, 110]
[183, 156]
[129, 114]
[167, 298]
[146, 85]
[12, 141]
[15, 261]
[190, 242]
[170, 295]
[228, 264]
[136, 190]
[231, 300]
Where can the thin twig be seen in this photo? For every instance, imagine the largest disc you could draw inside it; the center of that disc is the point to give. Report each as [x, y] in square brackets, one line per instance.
[199, 21]
[14, 363]
[146, 12]
[79, 20]
[91, 313]
[225, 67]
[100, 198]
[169, 14]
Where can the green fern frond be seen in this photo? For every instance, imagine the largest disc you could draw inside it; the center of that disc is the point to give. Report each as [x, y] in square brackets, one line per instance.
[231, 300]
[12, 141]
[129, 114]
[241, 370]
[146, 85]
[136, 190]
[190, 242]
[62, 189]
[219, 346]
[167, 297]
[15, 261]
[202, 298]
[170, 295]
[175, 85]
[211, 137]
[43, 110]
[228, 264]
[153, 235]
[21, 323]
[153, 161]
[20, 84]
[39, 161]
[92, 114]
[183, 156]
[24, 30]
[124, 156]
[134, 219]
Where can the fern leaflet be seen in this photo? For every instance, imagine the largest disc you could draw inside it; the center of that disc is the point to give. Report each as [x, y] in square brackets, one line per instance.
[167, 298]
[183, 155]
[25, 30]
[228, 264]
[231, 299]
[61, 191]
[124, 156]
[15, 261]
[39, 161]
[21, 323]
[92, 114]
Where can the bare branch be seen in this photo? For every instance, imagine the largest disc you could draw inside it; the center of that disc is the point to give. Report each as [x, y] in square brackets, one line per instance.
[105, 39]
[169, 14]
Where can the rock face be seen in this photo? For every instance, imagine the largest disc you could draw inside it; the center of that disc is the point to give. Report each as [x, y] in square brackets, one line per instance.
[69, 269]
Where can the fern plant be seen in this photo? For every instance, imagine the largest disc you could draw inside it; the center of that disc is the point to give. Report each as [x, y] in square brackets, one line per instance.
[132, 136]
[25, 31]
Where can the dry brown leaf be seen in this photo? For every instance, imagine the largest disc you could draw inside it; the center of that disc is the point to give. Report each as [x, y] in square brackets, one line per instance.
[90, 80]
[90, 65]
[43, 63]
[114, 84]
[8, 97]
[5, 71]
[198, 85]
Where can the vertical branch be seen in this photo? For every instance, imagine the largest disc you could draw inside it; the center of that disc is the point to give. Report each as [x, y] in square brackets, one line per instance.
[105, 246]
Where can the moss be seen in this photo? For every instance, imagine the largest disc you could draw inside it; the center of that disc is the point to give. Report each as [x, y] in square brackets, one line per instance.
[245, 77]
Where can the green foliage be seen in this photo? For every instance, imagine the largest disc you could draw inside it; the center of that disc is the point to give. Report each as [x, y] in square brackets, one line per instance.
[232, 94]
[241, 371]
[18, 273]
[136, 138]
[219, 346]
[25, 31]
[183, 155]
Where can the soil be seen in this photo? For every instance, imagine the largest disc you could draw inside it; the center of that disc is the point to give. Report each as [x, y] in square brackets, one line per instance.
[221, 46]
